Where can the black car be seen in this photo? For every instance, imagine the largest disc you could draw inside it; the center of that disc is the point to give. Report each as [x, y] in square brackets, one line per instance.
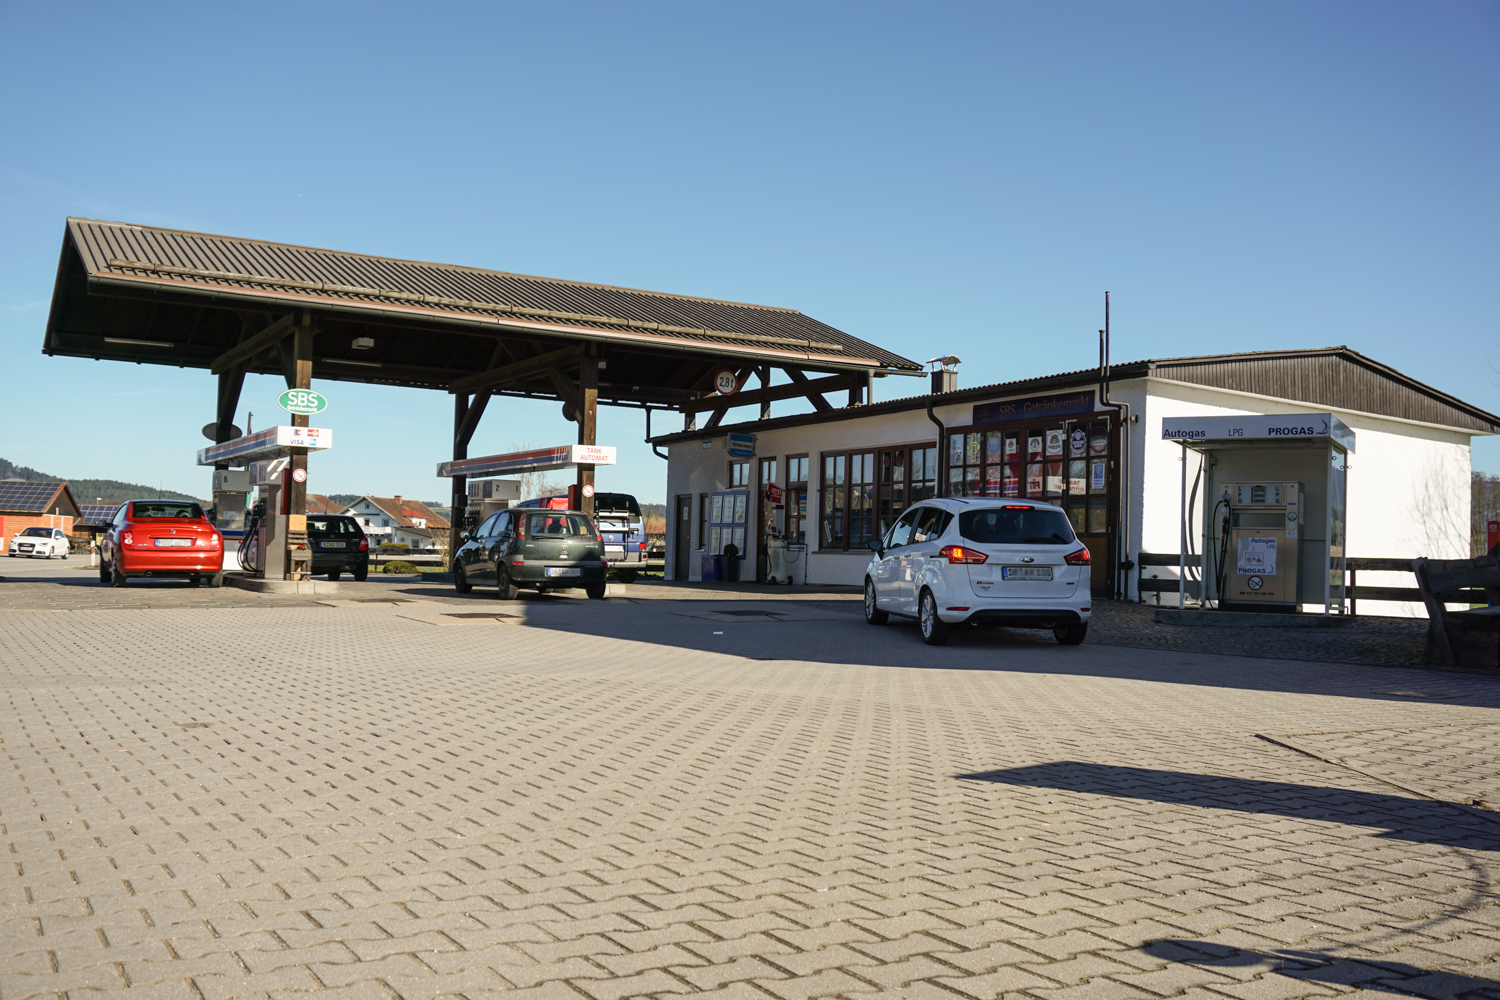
[543, 549]
[339, 546]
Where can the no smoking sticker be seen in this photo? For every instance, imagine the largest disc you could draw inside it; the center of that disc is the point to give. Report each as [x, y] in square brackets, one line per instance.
[1255, 583]
[300, 475]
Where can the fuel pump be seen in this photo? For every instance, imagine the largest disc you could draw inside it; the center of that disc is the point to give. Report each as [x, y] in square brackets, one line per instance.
[1260, 546]
[269, 547]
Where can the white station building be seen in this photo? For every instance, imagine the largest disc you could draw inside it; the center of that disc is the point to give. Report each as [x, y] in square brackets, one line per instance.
[800, 496]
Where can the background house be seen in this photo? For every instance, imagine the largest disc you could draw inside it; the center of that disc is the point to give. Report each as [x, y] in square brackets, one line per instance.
[25, 504]
[395, 519]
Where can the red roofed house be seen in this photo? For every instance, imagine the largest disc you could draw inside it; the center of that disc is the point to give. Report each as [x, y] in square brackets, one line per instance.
[26, 504]
[393, 519]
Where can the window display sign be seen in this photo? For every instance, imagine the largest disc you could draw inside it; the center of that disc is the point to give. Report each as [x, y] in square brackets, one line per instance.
[1096, 476]
[1037, 407]
[1010, 480]
[1054, 442]
[1078, 483]
[1034, 446]
[1055, 477]
[1078, 443]
[1034, 479]
[1099, 439]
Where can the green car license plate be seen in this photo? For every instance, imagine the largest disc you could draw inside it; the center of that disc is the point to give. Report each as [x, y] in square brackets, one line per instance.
[563, 571]
[1026, 572]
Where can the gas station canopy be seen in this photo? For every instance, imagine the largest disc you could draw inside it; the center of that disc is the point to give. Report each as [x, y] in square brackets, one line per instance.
[159, 296]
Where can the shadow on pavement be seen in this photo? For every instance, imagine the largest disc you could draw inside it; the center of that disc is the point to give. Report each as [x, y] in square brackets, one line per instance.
[1418, 820]
[1334, 970]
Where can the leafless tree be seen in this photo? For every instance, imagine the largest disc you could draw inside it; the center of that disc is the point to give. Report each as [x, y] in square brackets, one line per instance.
[1438, 513]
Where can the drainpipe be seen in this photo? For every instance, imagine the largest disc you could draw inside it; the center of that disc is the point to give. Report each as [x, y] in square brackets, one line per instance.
[942, 451]
[1124, 564]
[654, 449]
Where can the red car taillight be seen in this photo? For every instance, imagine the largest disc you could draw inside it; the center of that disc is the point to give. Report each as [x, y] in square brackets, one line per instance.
[364, 544]
[959, 554]
[1078, 558]
[127, 538]
[643, 546]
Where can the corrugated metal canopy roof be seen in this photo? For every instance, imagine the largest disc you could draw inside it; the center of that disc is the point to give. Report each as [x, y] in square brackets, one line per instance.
[140, 293]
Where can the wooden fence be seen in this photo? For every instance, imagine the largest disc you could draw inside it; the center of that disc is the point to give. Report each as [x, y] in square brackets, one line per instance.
[1153, 562]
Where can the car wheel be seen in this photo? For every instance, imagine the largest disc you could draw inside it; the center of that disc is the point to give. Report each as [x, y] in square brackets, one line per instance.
[333, 575]
[873, 614]
[626, 576]
[461, 579]
[935, 631]
[217, 580]
[360, 573]
[595, 591]
[1071, 635]
[117, 576]
[508, 590]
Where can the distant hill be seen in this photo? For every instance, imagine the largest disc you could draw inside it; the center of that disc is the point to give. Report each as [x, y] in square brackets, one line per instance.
[93, 490]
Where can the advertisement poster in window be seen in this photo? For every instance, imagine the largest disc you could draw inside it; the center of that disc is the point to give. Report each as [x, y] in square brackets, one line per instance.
[1012, 446]
[992, 481]
[1078, 483]
[739, 508]
[992, 447]
[1096, 476]
[1078, 442]
[1034, 479]
[1055, 442]
[717, 513]
[1010, 480]
[1033, 446]
[1055, 477]
[1099, 439]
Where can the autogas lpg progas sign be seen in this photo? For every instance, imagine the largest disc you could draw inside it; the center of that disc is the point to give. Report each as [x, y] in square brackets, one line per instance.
[302, 401]
[1260, 427]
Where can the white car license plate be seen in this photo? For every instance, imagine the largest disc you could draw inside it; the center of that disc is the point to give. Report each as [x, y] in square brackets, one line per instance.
[165, 543]
[1026, 572]
[563, 571]
[334, 545]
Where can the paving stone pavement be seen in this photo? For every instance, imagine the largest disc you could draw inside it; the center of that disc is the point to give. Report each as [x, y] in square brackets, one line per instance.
[607, 800]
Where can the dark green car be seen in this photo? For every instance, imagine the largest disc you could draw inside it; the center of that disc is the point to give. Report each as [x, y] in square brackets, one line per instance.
[541, 549]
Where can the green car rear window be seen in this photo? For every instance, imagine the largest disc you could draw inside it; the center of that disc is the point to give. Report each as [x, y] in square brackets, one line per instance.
[332, 526]
[558, 526]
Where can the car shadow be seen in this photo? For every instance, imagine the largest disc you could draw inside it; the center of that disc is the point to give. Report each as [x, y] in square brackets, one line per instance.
[1334, 970]
[1399, 818]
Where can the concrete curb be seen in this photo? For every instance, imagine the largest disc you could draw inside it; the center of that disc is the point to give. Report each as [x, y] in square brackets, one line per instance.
[1245, 619]
[257, 585]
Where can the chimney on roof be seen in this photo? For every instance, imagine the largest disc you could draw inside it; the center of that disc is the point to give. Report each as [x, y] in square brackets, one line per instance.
[398, 498]
[944, 373]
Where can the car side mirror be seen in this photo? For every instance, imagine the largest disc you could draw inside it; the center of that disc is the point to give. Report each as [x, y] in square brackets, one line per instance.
[876, 547]
[465, 536]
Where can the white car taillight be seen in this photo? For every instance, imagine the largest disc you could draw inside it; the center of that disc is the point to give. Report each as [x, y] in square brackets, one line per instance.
[1078, 558]
[960, 554]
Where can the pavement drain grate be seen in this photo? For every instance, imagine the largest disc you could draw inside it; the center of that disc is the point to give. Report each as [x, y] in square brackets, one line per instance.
[476, 614]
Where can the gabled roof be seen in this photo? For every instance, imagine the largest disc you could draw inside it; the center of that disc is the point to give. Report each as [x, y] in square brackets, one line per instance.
[401, 512]
[1336, 377]
[317, 503]
[97, 513]
[164, 296]
[22, 496]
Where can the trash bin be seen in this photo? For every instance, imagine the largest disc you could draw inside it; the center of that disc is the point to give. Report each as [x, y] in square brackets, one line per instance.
[730, 569]
[712, 567]
[776, 561]
[796, 563]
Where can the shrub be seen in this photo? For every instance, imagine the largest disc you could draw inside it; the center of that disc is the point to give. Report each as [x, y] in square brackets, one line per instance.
[397, 547]
[399, 566]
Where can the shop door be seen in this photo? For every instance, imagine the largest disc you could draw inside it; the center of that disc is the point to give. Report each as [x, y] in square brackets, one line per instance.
[682, 540]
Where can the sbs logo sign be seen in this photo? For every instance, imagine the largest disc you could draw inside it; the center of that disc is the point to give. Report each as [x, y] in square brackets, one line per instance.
[302, 401]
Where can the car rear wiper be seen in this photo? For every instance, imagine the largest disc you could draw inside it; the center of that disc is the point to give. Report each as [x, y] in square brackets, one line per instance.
[1049, 540]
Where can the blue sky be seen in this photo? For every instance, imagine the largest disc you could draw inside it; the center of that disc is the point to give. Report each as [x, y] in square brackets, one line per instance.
[933, 177]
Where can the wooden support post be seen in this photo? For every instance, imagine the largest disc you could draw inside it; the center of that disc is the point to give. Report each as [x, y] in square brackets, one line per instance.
[459, 503]
[300, 373]
[588, 425]
[765, 383]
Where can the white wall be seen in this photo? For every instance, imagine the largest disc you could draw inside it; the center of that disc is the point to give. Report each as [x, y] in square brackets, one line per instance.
[1408, 483]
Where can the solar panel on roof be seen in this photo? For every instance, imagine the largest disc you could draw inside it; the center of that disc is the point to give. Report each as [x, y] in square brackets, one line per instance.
[25, 495]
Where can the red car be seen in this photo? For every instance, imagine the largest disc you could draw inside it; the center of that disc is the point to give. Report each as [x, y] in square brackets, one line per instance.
[161, 538]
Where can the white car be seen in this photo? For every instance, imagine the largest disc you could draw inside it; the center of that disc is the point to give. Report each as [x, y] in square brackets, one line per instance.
[981, 561]
[45, 542]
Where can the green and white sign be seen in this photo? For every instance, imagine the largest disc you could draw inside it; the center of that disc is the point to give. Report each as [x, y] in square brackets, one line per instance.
[302, 401]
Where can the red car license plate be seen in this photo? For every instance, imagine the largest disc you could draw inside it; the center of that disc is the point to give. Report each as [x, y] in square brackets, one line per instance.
[163, 543]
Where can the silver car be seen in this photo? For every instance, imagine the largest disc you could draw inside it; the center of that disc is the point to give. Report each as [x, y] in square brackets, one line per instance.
[951, 562]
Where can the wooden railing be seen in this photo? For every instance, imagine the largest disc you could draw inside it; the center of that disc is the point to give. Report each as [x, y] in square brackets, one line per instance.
[1153, 562]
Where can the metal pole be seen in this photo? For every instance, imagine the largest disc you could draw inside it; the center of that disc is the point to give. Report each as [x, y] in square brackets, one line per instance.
[1182, 532]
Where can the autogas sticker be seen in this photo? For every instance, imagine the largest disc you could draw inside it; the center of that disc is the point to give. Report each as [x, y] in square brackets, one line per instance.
[1256, 555]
